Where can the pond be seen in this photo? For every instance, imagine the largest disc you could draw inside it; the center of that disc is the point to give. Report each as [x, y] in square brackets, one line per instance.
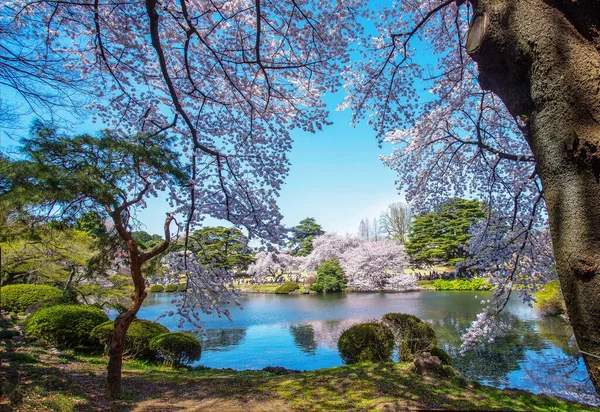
[301, 332]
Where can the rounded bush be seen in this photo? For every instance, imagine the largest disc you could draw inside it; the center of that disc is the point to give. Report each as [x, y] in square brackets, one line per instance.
[287, 287]
[366, 342]
[176, 348]
[65, 325]
[182, 287]
[549, 301]
[171, 288]
[17, 298]
[411, 334]
[137, 338]
[157, 288]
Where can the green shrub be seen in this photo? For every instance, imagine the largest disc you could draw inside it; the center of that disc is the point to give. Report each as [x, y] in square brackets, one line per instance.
[330, 277]
[17, 298]
[442, 355]
[182, 287]
[65, 325]
[286, 288]
[137, 338]
[157, 288]
[411, 334]
[462, 284]
[176, 348]
[171, 288]
[549, 301]
[366, 342]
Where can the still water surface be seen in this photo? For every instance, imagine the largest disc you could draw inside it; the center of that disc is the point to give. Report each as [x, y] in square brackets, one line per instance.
[301, 332]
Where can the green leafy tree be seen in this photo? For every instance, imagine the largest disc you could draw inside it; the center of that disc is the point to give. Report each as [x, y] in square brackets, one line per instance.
[110, 174]
[92, 224]
[303, 235]
[226, 247]
[442, 236]
[330, 277]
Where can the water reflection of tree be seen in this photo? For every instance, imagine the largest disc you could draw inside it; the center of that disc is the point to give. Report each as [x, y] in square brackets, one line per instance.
[222, 339]
[304, 337]
[558, 332]
[491, 361]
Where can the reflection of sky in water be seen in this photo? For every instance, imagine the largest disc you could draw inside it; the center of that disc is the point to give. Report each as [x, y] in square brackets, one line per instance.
[301, 332]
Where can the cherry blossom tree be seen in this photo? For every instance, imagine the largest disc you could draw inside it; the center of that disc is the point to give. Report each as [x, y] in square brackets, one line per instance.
[328, 246]
[368, 266]
[276, 264]
[512, 117]
[228, 78]
[377, 266]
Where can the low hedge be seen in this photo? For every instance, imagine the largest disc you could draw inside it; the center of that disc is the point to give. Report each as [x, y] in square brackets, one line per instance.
[411, 334]
[17, 298]
[287, 287]
[157, 288]
[366, 342]
[176, 348]
[182, 287]
[137, 338]
[65, 325]
[462, 284]
[171, 288]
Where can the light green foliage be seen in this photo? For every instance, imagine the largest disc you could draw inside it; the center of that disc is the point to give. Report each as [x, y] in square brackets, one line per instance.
[176, 348]
[549, 301]
[17, 298]
[303, 236]
[443, 235]
[157, 288]
[366, 342]
[137, 338]
[226, 247]
[462, 284]
[171, 288]
[145, 240]
[182, 287]
[330, 277]
[45, 254]
[65, 325]
[411, 334]
[287, 287]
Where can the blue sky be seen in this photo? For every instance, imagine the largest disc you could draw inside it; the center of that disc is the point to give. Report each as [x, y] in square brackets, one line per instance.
[336, 175]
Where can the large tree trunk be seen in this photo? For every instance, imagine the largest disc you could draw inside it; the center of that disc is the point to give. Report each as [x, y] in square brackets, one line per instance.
[542, 58]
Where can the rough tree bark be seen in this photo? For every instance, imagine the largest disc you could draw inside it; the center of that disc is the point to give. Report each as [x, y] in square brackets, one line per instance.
[123, 320]
[542, 58]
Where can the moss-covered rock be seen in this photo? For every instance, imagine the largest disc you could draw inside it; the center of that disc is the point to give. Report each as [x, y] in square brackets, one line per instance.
[366, 342]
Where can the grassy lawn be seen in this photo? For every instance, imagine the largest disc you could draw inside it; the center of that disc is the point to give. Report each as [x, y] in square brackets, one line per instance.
[39, 378]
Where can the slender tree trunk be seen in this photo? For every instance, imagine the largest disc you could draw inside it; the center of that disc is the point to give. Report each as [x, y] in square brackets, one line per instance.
[542, 58]
[122, 322]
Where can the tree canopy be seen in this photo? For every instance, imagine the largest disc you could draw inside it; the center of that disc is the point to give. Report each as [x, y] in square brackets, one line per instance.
[303, 235]
[225, 247]
[442, 236]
